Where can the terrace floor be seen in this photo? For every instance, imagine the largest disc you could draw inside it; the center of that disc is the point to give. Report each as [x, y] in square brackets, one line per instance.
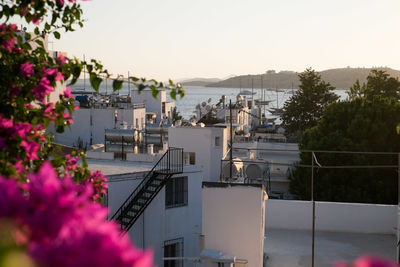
[293, 247]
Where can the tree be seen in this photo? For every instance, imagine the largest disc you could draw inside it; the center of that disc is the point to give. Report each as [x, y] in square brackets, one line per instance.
[175, 115]
[304, 109]
[378, 83]
[358, 125]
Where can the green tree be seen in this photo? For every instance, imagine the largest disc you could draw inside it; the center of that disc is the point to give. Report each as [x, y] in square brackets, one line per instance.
[175, 115]
[303, 110]
[358, 125]
[378, 83]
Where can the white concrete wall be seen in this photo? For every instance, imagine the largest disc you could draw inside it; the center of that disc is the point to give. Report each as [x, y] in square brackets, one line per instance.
[100, 155]
[159, 224]
[233, 221]
[168, 109]
[140, 114]
[91, 123]
[152, 104]
[201, 140]
[331, 216]
[143, 157]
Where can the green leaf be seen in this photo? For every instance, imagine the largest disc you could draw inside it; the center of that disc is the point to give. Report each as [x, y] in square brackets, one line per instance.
[40, 43]
[117, 85]
[57, 35]
[141, 87]
[36, 31]
[95, 81]
[173, 94]
[155, 93]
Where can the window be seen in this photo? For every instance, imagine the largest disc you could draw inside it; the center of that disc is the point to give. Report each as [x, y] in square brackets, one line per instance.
[173, 249]
[137, 123]
[189, 158]
[163, 108]
[176, 192]
[217, 141]
[142, 122]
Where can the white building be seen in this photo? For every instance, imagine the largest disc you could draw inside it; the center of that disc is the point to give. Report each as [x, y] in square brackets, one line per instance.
[90, 124]
[203, 146]
[159, 105]
[196, 221]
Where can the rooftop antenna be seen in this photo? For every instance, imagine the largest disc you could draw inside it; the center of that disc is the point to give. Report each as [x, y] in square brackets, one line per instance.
[129, 86]
[231, 139]
[252, 89]
[84, 73]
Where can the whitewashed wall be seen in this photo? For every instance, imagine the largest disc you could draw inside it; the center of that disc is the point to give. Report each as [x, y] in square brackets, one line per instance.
[159, 224]
[233, 220]
[331, 216]
[201, 140]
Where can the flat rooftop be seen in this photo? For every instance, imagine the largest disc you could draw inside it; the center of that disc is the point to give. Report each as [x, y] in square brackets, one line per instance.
[293, 247]
[113, 167]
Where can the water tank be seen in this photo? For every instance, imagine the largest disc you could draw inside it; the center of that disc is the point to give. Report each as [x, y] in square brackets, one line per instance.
[156, 130]
[257, 170]
[237, 166]
[116, 135]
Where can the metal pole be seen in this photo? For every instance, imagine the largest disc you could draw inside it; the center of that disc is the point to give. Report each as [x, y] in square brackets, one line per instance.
[231, 141]
[398, 208]
[313, 208]
[84, 73]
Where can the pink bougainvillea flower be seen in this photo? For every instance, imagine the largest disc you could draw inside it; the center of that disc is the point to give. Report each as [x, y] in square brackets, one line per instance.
[6, 123]
[61, 59]
[67, 93]
[49, 71]
[369, 261]
[26, 69]
[68, 118]
[59, 76]
[22, 129]
[65, 228]
[9, 44]
[60, 2]
[42, 89]
[31, 149]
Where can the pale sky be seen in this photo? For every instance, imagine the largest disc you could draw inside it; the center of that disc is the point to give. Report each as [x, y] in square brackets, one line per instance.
[215, 38]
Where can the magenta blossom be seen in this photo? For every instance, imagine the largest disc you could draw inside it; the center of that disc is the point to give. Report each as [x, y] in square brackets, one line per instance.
[31, 149]
[42, 89]
[369, 261]
[26, 69]
[9, 44]
[63, 227]
[61, 59]
[67, 93]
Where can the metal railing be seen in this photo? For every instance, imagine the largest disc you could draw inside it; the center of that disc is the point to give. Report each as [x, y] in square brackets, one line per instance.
[170, 163]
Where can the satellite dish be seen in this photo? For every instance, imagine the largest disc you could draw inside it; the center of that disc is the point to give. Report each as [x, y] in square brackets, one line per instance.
[209, 100]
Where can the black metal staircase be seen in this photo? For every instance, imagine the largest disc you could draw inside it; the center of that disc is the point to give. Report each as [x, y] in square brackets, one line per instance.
[169, 164]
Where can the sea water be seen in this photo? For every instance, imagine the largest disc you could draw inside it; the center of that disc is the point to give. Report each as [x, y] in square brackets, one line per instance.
[211, 95]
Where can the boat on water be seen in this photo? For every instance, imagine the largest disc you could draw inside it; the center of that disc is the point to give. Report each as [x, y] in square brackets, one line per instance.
[247, 92]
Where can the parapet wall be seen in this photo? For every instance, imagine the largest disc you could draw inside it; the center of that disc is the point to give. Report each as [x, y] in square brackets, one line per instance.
[331, 216]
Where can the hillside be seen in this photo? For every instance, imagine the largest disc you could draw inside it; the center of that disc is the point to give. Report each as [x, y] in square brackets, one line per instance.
[342, 78]
[199, 81]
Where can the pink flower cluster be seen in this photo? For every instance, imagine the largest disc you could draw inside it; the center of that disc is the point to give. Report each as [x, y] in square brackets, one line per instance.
[26, 69]
[369, 261]
[62, 227]
[98, 181]
[28, 134]
[7, 38]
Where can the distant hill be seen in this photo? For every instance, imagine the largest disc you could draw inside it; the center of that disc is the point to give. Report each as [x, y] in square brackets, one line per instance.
[199, 81]
[342, 78]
